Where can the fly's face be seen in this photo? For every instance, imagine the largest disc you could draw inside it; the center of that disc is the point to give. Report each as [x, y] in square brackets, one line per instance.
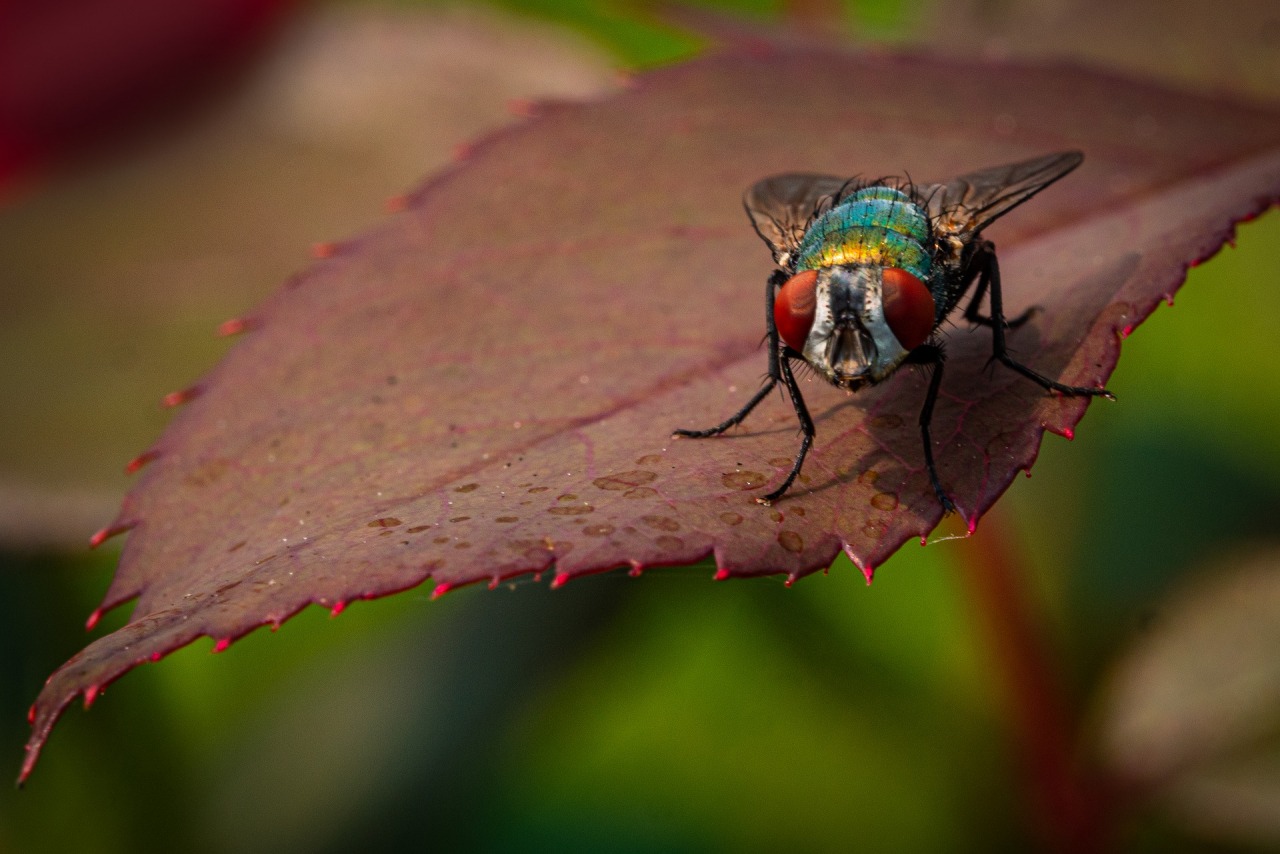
[855, 324]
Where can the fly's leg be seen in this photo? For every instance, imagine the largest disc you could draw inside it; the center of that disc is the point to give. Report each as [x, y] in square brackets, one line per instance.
[776, 280]
[931, 355]
[806, 428]
[971, 312]
[1000, 350]
[779, 372]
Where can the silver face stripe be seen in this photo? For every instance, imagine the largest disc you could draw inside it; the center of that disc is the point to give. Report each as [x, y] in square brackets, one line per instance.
[889, 352]
[815, 346]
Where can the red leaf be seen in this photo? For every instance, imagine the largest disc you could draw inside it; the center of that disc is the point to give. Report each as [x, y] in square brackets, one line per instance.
[486, 386]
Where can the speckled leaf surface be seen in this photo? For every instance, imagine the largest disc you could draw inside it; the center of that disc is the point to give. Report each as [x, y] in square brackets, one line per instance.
[486, 385]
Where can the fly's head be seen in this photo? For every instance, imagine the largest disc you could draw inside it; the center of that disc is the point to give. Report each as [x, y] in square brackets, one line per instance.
[854, 323]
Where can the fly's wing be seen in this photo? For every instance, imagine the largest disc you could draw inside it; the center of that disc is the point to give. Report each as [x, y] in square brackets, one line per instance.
[782, 206]
[966, 205]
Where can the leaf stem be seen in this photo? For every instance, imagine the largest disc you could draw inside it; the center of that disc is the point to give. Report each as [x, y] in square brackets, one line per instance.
[1070, 806]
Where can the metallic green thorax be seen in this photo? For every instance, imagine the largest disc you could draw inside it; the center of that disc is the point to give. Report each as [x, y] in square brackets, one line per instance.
[875, 225]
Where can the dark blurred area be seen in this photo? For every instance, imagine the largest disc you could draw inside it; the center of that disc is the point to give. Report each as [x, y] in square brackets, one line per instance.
[76, 75]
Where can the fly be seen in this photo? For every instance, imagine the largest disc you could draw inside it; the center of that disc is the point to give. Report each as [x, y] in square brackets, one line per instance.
[867, 272]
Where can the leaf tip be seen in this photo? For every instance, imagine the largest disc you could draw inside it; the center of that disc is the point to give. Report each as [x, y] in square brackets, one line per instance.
[442, 588]
[338, 608]
[396, 204]
[90, 694]
[791, 579]
[141, 460]
[324, 249]
[234, 326]
[103, 534]
[93, 619]
[221, 645]
[721, 575]
[178, 398]
[560, 580]
[868, 572]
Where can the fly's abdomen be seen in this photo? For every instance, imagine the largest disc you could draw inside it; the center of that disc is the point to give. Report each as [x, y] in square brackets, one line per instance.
[875, 226]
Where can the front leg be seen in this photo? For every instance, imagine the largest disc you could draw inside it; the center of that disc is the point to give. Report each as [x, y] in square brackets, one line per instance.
[806, 427]
[1000, 350]
[931, 355]
[775, 281]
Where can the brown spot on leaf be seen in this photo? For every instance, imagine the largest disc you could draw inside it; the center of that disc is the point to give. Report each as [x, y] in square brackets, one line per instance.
[798, 511]
[207, 473]
[385, 522]
[459, 518]
[649, 460]
[776, 516]
[462, 545]
[625, 480]
[598, 530]
[669, 543]
[417, 529]
[884, 501]
[526, 545]
[791, 541]
[743, 479]
[237, 546]
[885, 422]
[730, 518]
[661, 523]
[782, 462]
[537, 489]
[568, 496]
[869, 477]
[468, 487]
[441, 539]
[507, 519]
[640, 492]
[573, 510]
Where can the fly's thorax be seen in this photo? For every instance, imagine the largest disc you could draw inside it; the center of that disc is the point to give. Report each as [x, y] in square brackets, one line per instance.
[854, 324]
[876, 225]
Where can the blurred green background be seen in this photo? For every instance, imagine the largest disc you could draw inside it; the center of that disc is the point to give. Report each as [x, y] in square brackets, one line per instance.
[660, 714]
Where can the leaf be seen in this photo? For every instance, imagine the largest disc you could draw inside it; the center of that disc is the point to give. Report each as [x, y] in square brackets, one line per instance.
[1190, 715]
[486, 386]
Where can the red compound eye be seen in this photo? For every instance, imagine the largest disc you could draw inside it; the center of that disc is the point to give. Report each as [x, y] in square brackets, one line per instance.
[793, 309]
[908, 307]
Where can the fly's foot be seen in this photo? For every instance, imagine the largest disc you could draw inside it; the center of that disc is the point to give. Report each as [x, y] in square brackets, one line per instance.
[1081, 391]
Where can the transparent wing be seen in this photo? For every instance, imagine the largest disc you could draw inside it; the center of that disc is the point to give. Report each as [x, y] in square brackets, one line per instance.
[782, 206]
[969, 203]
